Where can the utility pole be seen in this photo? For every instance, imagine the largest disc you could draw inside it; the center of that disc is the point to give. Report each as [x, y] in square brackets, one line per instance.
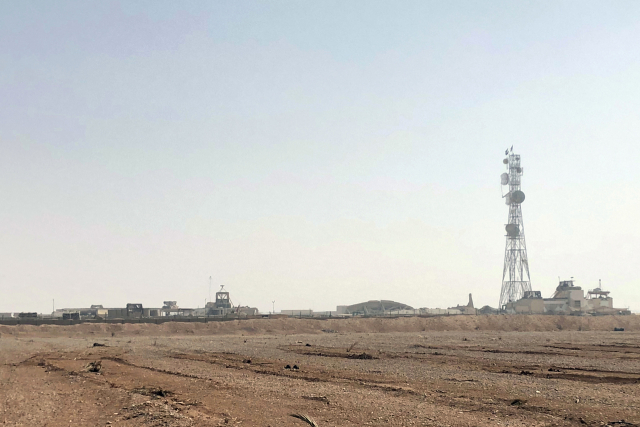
[274, 306]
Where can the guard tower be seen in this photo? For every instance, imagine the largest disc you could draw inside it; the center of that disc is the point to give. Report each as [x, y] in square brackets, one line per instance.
[515, 275]
[222, 298]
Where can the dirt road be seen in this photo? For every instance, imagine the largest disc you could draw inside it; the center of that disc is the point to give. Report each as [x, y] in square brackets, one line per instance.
[158, 377]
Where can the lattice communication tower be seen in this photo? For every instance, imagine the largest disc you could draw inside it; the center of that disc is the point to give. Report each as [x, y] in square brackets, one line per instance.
[515, 275]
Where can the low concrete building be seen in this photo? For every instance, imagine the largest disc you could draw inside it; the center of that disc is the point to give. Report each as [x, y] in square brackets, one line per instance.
[341, 309]
[434, 311]
[247, 311]
[532, 303]
[567, 299]
[117, 313]
[302, 313]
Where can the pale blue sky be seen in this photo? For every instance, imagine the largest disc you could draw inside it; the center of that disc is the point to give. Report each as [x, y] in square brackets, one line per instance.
[315, 153]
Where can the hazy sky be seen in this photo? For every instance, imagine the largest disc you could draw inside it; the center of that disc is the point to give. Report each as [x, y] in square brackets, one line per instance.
[313, 153]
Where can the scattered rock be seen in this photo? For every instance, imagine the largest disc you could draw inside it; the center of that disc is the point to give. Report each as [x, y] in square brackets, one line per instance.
[246, 361]
[526, 373]
[97, 344]
[518, 402]
[287, 367]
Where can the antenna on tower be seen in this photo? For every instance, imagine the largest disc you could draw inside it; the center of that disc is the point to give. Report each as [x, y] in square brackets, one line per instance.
[515, 274]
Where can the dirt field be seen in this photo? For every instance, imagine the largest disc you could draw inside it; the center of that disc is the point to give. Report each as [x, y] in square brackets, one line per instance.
[456, 371]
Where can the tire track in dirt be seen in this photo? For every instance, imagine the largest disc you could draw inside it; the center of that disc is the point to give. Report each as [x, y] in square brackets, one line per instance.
[164, 406]
[470, 401]
[309, 373]
[594, 376]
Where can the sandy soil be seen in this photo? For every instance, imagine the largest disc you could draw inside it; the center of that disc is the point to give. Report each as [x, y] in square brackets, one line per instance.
[457, 371]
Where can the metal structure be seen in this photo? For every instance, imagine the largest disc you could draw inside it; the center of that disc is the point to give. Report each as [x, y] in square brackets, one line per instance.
[515, 275]
[222, 298]
[134, 310]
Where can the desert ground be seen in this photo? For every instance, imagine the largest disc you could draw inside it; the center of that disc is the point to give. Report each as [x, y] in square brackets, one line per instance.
[447, 371]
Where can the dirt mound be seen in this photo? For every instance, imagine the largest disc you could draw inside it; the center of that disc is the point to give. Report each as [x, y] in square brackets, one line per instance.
[506, 323]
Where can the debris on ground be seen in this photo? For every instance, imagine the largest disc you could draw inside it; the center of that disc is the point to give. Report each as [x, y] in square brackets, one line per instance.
[618, 329]
[152, 391]
[518, 402]
[97, 344]
[306, 419]
[155, 413]
[94, 366]
[361, 356]
[323, 399]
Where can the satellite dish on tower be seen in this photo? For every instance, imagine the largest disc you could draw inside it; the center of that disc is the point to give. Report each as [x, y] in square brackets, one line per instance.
[504, 178]
[517, 197]
[516, 282]
[512, 230]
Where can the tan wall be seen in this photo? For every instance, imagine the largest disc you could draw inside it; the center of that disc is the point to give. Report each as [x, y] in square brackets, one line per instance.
[596, 303]
[576, 294]
[533, 306]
